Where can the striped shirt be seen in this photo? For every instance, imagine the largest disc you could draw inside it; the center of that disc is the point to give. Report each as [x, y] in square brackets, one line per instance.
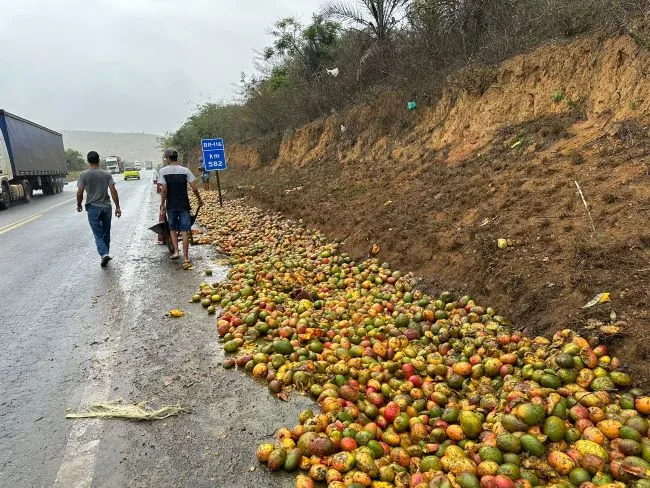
[176, 178]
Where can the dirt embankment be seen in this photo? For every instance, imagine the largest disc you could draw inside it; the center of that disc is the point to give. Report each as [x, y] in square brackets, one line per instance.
[498, 156]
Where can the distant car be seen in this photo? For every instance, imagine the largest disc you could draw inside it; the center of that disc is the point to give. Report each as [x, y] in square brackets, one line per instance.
[137, 165]
[131, 172]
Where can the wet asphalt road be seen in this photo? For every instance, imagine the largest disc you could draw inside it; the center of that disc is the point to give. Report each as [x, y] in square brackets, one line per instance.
[57, 301]
[74, 333]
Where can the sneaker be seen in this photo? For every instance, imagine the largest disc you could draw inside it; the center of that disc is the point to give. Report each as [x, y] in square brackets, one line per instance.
[105, 260]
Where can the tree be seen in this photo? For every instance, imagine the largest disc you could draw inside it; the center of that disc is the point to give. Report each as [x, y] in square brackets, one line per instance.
[379, 17]
[208, 120]
[74, 160]
[310, 47]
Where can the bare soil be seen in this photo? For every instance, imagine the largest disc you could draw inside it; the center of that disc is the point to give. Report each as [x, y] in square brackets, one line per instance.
[435, 189]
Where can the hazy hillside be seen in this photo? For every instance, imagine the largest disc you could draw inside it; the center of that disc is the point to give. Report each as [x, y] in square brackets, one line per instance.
[129, 146]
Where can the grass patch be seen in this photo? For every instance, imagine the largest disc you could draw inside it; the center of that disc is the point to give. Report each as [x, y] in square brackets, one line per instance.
[73, 175]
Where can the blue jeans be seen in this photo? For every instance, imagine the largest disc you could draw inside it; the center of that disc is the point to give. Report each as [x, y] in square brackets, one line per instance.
[99, 219]
[179, 220]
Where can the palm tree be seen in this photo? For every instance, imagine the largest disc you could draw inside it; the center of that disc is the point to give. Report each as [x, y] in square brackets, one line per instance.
[377, 16]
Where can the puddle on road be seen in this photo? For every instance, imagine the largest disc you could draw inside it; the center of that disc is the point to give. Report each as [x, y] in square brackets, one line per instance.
[210, 259]
[206, 257]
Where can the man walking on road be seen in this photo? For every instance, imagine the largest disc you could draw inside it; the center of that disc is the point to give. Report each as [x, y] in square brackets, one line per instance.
[175, 200]
[96, 182]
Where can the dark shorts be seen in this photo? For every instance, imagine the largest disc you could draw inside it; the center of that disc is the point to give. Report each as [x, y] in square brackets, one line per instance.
[179, 220]
[205, 177]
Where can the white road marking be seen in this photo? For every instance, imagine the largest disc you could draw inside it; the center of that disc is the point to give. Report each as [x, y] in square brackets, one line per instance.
[78, 464]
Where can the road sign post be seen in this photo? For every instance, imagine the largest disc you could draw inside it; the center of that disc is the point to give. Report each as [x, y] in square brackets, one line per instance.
[214, 159]
[219, 188]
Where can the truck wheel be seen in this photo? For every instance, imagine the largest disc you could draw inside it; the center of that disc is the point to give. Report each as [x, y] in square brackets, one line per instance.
[48, 188]
[27, 190]
[5, 199]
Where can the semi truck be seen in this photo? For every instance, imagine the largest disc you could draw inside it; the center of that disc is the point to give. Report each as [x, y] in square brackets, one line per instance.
[114, 165]
[148, 165]
[31, 158]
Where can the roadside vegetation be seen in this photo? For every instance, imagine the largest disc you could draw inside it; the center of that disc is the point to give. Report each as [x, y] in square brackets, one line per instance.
[352, 52]
[74, 160]
[75, 163]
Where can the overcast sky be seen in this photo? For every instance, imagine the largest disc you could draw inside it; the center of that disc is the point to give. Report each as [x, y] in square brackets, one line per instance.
[129, 65]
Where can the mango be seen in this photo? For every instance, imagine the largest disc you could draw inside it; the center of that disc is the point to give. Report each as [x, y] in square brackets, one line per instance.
[560, 462]
[276, 459]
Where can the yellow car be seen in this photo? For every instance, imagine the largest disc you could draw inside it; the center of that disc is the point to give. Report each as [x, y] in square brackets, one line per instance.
[131, 172]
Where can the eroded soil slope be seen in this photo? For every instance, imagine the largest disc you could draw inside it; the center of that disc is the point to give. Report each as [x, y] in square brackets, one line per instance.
[435, 188]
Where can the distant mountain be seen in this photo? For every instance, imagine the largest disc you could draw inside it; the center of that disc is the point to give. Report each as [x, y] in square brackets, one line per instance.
[129, 146]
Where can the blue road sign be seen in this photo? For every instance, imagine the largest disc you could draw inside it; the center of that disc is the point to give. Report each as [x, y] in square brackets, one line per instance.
[214, 154]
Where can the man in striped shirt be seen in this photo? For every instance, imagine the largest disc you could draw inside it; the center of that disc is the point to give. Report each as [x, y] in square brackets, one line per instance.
[175, 200]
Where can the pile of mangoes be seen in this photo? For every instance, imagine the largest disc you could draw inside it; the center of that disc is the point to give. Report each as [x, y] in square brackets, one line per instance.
[414, 391]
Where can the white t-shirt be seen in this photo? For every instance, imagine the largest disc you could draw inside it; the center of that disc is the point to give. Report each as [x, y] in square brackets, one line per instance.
[176, 178]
